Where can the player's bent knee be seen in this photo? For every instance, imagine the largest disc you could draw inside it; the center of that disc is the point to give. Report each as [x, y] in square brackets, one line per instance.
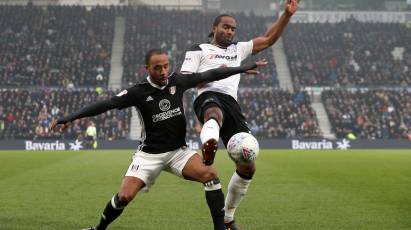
[210, 174]
[126, 196]
[246, 170]
[214, 113]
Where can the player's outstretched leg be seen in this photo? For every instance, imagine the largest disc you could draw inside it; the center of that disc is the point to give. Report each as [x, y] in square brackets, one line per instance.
[197, 171]
[237, 188]
[129, 188]
[210, 133]
[215, 200]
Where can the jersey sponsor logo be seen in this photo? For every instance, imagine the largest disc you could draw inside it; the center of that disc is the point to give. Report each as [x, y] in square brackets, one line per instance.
[166, 115]
[219, 56]
[164, 105]
[172, 90]
[149, 98]
[124, 92]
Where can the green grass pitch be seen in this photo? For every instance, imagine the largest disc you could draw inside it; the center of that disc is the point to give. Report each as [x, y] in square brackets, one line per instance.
[295, 190]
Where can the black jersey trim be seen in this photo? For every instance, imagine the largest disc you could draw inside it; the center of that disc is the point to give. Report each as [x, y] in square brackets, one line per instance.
[195, 47]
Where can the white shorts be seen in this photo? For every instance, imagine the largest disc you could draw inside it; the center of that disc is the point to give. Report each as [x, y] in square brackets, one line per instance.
[147, 167]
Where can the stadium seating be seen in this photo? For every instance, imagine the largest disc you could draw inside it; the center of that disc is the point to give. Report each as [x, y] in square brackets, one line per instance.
[27, 114]
[375, 114]
[68, 48]
[270, 114]
[65, 46]
[349, 54]
[176, 32]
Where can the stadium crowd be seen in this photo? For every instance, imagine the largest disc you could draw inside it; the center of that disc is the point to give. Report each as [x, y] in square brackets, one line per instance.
[270, 114]
[64, 46]
[69, 47]
[147, 28]
[356, 54]
[27, 114]
[376, 114]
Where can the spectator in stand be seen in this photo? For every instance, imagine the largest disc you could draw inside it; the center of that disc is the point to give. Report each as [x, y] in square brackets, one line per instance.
[376, 114]
[27, 114]
[147, 28]
[55, 46]
[355, 54]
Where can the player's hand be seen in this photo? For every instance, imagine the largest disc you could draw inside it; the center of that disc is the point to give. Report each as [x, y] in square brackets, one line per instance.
[259, 63]
[55, 123]
[291, 7]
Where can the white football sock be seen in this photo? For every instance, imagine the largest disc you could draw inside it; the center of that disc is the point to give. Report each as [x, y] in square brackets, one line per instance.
[237, 188]
[211, 130]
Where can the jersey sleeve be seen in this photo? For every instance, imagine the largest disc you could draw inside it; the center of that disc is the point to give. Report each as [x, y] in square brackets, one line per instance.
[245, 49]
[125, 98]
[188, 80]
[192, 60]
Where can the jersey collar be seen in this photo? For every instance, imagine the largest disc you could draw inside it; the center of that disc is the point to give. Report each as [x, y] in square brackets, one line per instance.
[157, 86]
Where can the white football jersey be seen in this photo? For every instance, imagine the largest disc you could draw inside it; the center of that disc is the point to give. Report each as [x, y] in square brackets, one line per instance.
[208, 56]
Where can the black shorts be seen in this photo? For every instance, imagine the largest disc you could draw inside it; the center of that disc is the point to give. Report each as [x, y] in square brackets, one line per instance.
[233, 121]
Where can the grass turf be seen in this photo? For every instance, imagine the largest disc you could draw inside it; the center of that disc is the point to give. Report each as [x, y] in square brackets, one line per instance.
[291, 190]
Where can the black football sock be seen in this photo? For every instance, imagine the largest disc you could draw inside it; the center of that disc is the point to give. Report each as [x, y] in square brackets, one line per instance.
[113, 209]
[215, 200]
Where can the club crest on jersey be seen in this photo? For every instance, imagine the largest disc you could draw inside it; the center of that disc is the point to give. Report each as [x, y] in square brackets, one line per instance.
[164, 105]
[172, 90]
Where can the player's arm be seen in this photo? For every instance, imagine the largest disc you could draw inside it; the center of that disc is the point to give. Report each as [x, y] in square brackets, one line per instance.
[88, 111]
[124, 99]
[218, 74]
[276, 29]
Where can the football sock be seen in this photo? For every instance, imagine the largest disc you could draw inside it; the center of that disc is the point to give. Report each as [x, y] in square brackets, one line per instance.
[210, 130]
[237, 188]
[113, 209]
[215, 200]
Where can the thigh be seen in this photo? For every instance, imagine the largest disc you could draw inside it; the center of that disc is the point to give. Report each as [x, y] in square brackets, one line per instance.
[234, 121]
[146, 167]
[195, 170]
[178, 160]
[205, 101]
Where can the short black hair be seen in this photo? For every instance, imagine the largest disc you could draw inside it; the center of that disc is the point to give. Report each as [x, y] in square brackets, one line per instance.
[151, 53]
[217, 20]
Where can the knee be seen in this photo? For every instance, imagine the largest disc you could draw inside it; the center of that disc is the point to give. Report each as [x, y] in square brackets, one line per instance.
[126, 197]
[246, 170]
[210, 174]
[214, 113]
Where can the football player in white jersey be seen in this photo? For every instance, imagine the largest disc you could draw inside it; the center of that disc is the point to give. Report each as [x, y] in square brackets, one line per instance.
[216, 105]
